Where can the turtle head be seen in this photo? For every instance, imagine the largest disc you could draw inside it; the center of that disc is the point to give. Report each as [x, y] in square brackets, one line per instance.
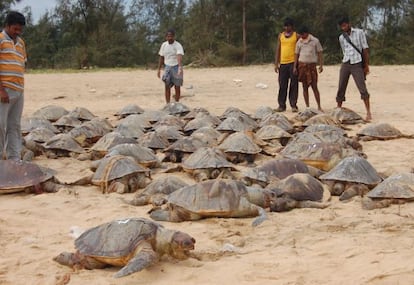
[282, 204]
[181, 244]
[65, 258]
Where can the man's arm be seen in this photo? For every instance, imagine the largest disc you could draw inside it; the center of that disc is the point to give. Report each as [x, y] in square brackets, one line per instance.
[320, 60]
[160, 64]
[365, 54]
[277, 55]
[180, 63]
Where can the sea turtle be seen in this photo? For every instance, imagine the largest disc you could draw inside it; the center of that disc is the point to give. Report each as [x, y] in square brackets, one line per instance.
[156, 192]
[395, 189]
[142, 155]
[261, 112]
[323, 118]
[18, 176]
[346, 116]
[182, 148]
[194, 112]
[299, 190]
[239, 147]
[201, 120]
[208, 135]
[154, 140]
[62, 145]
[352, 176]
[129, 109]
[224, 198]
[134, 243]
[276, 169]
[131, 127]
[237, 124]
[207, 163]
[120, 174]
[171, 133]
[106, 142]
[304, 115]
[28, 124]
[82, 114]
[279, 120]
[176, 108]
[381, 131]
[170, 121]
[153, 116]
[66, 123]
[273, 134]
[89, 132]
[51, 113]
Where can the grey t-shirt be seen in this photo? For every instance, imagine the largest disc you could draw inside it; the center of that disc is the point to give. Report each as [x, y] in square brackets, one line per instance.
[308, 49]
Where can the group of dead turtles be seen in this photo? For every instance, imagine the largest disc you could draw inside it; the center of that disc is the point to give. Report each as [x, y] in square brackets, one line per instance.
[241, 165]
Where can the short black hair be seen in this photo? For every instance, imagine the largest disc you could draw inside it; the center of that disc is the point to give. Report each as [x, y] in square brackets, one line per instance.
[303, 29]
[288, 22]
[15, 18]
[344, 19]
[170, 31]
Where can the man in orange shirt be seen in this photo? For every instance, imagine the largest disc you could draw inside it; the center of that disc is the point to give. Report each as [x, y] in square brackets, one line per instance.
[12, 67]
[284, 61]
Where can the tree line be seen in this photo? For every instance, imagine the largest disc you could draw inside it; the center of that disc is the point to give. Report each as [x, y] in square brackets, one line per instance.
[117, 33]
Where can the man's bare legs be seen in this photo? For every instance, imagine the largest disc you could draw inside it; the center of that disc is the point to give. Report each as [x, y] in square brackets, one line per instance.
[167, 94]
[177, 93]
[368, 108]
[306, 94]
[317, 95]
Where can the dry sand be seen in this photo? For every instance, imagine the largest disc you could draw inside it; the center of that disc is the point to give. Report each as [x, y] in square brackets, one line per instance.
[342, 244]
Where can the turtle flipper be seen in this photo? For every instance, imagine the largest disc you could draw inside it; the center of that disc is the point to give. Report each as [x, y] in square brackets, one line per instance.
[312, 204]
[144, 258]
[261, 218]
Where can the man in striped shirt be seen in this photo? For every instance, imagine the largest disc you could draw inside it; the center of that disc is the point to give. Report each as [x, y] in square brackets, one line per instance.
[12, 67]
[355, 62]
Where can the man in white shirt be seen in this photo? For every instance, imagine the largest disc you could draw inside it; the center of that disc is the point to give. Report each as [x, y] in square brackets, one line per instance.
[355, 62]
[171, 55]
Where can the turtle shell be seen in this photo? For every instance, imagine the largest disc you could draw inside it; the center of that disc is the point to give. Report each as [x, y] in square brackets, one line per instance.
[140, 120]
[321, 119]
[346, 116]
[201, 120]
[154, 116]
[241, 143]
[353, 169]
[211, 198]
[262, 112]
[170, 121]
[306, 114]
[142, 155]
[278, 120]
[82, 114]
[15, 176]
[270, 132]
[39, 135]
[380, 131]
[276, 168]
[110, 140]
[208, 135]
[129, 110]
[68, 122]
[29, 124]
[153, 140]
[299, 187]
[206, 157]
[237, 124]
[117, 166]
[64, 142]
[172, 134]
[116, 242]
[186, 144]
[176, 108]
[51, 113]
[397, 186]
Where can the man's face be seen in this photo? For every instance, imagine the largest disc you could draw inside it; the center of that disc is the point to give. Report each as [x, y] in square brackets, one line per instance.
[14, 30]
[304, 35]
[289, 28]
[345, 27]
[170, 37]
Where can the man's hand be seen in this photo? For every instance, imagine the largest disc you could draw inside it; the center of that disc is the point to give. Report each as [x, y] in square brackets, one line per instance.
[366, 69]
[320, 68]
[277, 66]
[180, 70]
[4, 97]
[159, 73]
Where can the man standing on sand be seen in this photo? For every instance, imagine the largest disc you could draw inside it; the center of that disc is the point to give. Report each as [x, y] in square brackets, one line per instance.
[171, 56]
[12, 67]
[284, 61]
[308, 54]
[355, 61]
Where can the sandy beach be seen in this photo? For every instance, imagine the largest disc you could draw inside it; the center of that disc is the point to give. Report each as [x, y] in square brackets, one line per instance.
[342, 244]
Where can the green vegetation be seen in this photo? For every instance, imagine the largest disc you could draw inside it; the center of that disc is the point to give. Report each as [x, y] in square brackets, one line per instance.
[108, 34]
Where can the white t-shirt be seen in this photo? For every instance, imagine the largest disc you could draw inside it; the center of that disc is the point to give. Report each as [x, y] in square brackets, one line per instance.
[170, 52]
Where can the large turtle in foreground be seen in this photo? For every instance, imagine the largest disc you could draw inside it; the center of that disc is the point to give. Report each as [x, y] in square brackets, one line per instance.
[299, 190]
[18, 176]
[134, 243]
[396, 189]
[223, 198]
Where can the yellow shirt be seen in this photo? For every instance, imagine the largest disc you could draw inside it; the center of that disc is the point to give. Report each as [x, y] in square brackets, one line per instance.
[287, 48]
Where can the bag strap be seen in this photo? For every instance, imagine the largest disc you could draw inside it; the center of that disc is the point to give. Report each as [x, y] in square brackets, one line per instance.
[347, 38]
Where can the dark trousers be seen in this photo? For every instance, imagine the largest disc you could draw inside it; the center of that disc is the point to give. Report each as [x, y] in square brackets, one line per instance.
[286, 75]
[357, 72]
